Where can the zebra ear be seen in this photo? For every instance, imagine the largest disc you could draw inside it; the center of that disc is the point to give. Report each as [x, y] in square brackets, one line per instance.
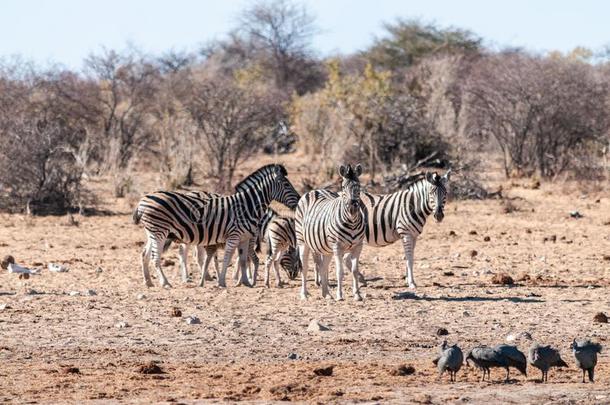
[343, 170]
[358, 169]
[430, 177]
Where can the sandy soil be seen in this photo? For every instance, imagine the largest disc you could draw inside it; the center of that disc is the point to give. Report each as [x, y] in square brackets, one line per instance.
[241, 349]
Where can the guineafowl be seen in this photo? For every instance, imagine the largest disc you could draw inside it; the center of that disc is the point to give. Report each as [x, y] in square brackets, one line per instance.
[451, 359]
[504, 356]
[543, 358]
[585, 354]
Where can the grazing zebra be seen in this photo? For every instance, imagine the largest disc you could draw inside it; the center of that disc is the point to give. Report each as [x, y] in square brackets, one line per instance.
[232, 220]
[278, 241]
[402, 215]
[329, 223]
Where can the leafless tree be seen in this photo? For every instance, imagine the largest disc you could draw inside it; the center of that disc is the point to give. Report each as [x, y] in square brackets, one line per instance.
[231, 121]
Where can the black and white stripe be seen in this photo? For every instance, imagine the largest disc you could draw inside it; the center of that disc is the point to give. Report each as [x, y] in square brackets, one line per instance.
[403, 214]
[331, 224]
[232, 220]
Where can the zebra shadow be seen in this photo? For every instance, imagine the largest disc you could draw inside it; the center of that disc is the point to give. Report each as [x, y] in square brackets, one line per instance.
[407, 295]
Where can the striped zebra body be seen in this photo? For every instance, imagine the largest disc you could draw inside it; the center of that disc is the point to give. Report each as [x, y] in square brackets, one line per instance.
[277, 240]
[331, 224]
[232, 220]
[403, 214]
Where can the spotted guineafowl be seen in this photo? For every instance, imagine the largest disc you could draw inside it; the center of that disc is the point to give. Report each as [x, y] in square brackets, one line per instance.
[585, 354]
[450, 359]
[504, 356]
[543, 358]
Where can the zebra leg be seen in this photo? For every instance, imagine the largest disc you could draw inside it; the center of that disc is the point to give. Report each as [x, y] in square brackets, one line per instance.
[276, 267]
[324, 265]
[304, 255]
[354, 256]
[157, 251]
[145, 261]
[317, 260]
[338, 253]
[183, 250]
[254, 260]
[408, 242]
[204, 255]
[243, 263]
[268, 261]
[348, 265]
[230, 246]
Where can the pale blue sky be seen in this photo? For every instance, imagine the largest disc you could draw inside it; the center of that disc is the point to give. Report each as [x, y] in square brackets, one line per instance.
[65, 31]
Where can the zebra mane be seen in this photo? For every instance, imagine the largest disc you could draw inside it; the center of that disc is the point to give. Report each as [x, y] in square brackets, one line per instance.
[259, 173]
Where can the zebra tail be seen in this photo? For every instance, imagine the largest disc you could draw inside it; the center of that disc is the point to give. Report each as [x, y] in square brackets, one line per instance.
[137, 215]
[167, 243]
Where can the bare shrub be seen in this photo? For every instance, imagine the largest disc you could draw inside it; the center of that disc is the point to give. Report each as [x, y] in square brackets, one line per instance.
[231, 121]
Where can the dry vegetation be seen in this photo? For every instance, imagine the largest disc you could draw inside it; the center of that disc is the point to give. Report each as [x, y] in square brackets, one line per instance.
[524, 247]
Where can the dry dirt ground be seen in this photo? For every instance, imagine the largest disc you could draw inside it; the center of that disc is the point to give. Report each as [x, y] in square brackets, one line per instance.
[61, 347]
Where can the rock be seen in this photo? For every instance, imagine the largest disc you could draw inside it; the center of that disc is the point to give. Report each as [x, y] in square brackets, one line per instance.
[121, 325]
[606, 258]
[600, 317]
[486, 239]
[73, 293]
[466, 314]
[57, 268]
[316, 326]
[512, 337]
[8, 259]
[4, 306]
[149, 368]
[473, 232]
[192, 320]
[99, 270]
[168, 262]
[176, 313]
[90, 293]
[442, 332]
[402, 370]
[324, 371]
[502, 279]
[448, 273]
[293, 356]
[140, 296]
[473, 253]
[452, 233]
[528, 230]
[70, 370]
[575, 214]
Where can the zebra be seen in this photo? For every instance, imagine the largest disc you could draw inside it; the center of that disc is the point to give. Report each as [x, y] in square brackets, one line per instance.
[232, 220]
[328, 223]
[403, 214]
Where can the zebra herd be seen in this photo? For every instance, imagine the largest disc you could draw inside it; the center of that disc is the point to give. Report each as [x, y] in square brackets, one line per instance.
[326, 224]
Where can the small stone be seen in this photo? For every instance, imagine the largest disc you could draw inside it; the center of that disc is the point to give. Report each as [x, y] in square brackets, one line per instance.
[575, 214]
[293, 356]
[442, 332]
[73, 293]
[70, 370]
[606, 258]
[99, 270]
[448, 273]
[121, 325]
[403, 370]
[486, 239]
[140, 296]
[452, 233]
[473, 253]
[176, 313]
[192, 320]
[4, 306]
[502, 279]
[324, 371]
[473, 232]
[57, 268]
[528, 230]
[316, 326]
[90, 293]
[466, 314]
[149, 368]
[600, 317]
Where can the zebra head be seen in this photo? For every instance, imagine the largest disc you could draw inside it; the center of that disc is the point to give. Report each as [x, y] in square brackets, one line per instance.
[437, 193]
[282, 190]
[291, 263]
[350, 187]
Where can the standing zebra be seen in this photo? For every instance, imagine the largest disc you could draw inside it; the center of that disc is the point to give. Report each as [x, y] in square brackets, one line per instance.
[329, 223]
[232, 220]
[402, 215]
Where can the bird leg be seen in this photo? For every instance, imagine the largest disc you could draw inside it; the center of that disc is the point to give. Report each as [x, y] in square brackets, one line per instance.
[583, 375]
[507, 374]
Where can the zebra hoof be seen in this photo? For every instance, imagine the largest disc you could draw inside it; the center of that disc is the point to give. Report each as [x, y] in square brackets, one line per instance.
[339, 298]
[148, 283]
[357, 297]
[166, 285]
[412, 286]
[304, 297]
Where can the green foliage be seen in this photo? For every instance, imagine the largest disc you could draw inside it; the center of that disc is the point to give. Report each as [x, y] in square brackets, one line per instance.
[409, 41]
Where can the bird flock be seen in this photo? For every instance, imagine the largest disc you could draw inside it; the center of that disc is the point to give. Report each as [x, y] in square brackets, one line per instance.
[484, 358]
